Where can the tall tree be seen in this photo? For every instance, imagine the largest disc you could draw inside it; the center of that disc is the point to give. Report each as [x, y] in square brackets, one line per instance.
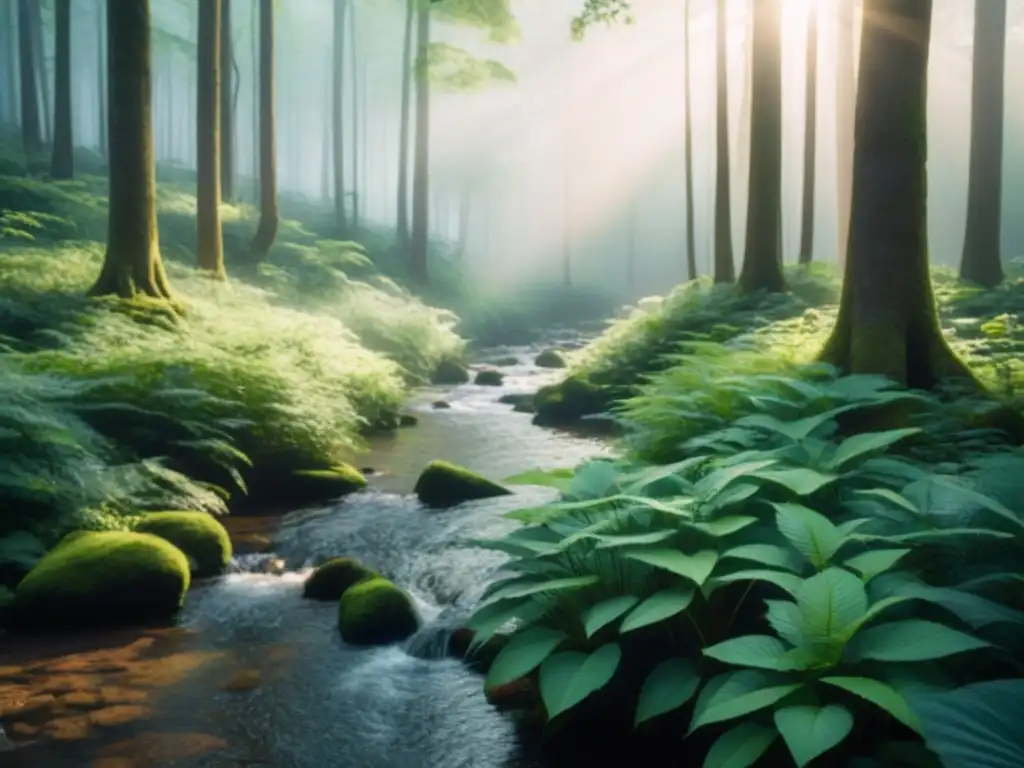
[402, 209]
[725, 267]
[631, 248]
[9, 23]
[227, 104]
[846, 95]
[101, 74]
[691, 248]
[132, 265]
[62, 165]
[356, 90]
[762, 258]
[418, 266]
[887, 321]
[810, 137]
[981, 262]
[209, 241]
[42, 71]
[266, 231]
[338, 113]
[31, 138]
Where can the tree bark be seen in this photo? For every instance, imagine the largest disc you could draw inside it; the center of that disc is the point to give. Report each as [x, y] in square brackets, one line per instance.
[418, 266]
[31, 138]
[132, 265]
[42, 71]
[465, 199]
[846, 96]
[691, 248]
[10, 25]
[402, 208]
[266, 231]
[209, 241]
[338, 115]
[354, 64]
[981, 261]
[762, 258]
[810, 138]
[725, 267]
[101, 75]
[227, 107]
[62, 165]
[887, 321]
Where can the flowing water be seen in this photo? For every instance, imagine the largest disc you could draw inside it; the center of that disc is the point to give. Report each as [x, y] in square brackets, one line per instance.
[254, 675]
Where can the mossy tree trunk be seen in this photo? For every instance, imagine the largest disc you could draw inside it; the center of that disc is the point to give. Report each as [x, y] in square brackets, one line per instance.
[62, 165]
[762, 258]
[338, 114]
[418, 266]
[101, 75]
[806, 254]
[887, 321]
[227, 105]
[725, 267]
[266, 231]
[402, 206]
[846, 95]
[209, 242]
[31, 138]
[981, 261]
[691, 248]
[132, 265]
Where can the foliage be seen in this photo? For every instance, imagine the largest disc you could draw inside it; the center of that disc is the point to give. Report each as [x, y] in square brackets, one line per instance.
[600, 12]
[456, 70]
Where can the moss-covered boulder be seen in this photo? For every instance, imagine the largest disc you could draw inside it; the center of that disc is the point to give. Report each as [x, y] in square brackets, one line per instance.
[109, 577]
[443, 484]
[505, 361]
[199, 535]
[550, 358]
[569, 401]
[489, 377]
[522, 402]
[449, 371]
[330, 580]
[313, 486]
[376, 612]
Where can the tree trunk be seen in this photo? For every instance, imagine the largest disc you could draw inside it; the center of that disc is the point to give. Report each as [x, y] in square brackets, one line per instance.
[31, 139]
[42, 70]
[631, 248]
[325, 143]
[354, 63]
[887, 321]
[266, 232]
[101, 74]
[338, 114]
[810, 138]
[209, 242]
[402, 206]
[465, 199]
[132, 265]
[255, 46]
[421, 158]
[846, 96]
[762, 258]
[691, 248]
[725, 268]
[10, 24]
[981, 262]
[62, 165]
[227, 107]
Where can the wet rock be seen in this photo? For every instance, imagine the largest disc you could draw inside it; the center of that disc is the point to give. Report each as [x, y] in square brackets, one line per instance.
[441, 405]
[550, 358]
[449, 371]
[569, 401]
[443, 484]
[407, 420]
[489, 377]
[330, 580]
[518, 694]
[376, 612]
[504, 362]
[315, 486]
[522, 403]
[198, 534]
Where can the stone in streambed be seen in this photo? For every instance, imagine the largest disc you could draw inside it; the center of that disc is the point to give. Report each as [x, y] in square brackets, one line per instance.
[550, 358]
[449, 371]
[489, 377]
[376, 612]
[407, 420]
[522, 403]
[204, 541]
[440, 405]
[504, 362]
[443, 484]
[331, 580]
[312, 486]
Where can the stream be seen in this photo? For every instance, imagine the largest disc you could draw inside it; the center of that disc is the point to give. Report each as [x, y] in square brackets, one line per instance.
[254, 675]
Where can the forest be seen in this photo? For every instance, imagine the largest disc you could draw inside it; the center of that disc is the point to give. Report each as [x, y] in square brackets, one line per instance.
[511, 383]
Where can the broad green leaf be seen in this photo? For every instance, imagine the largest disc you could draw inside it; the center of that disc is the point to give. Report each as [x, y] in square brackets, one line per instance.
[811, 533]
[765, 554]
[523, 654]
[801, 481]
[740, 747]
[608, 541]
[980, 500]
[607, 611]
[640, 482]
[784, 617]
[670, 685]
[871, 564]
[892, 498]
[758, 651]
[740, 693]
[657, 607]
[811, 731]
[735, 494]
[566, 679]
[940, 534]
[829, 602]
[536, 587]
[976, 611]
[858, 446]
[881, 695]
[551, 478]
[539, 515]
[788, 582]
[696, 567]
[724, 526]
[910, 640]
[716, 481]
[876, 609]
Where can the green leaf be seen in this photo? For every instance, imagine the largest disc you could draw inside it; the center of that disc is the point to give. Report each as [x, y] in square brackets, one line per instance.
[670, 685]
[658, 607]
[785, 581]
[784, 617]
[716, 481]
[858, 446]
[606, 612]
[829, 602]
[552, 478]
[910, 640]
[566, 679]
[871, 564]
[801, 481]
[892, 498]
[608, 541]
[552, 585]
[738, 694]
[980, 500]
[740, 747]
[758, 651]
[972, 609]
[765, 554]
[523, 653]
[811, 731]
[811, 533]
[881, 695]
[724, 526]
[696, 567]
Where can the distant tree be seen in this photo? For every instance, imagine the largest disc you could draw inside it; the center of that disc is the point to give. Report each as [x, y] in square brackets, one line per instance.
[42, 72]
[981, 261]
[810, 137]
[691, 248]
[227, 104]
[338, 114]
[209, 240]
[421, 155]
[31, 138]
[402, 209]
[63, 163]
[846, 95]
[132, 265]
[887, 321]
[101, 74]
[266, 231]
[762, 258]
[725, 267]
[354, 63]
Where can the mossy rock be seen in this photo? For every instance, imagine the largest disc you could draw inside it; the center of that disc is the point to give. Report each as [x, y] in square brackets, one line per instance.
[550, 358]
[521, 403]
[489, 378]
[569, 401]
[109, 577]
[505, 362]
[199, 535]
[449, 371]
[312, 486]
[443, 484]
[376, 612]
[407, 420]
[330, 580]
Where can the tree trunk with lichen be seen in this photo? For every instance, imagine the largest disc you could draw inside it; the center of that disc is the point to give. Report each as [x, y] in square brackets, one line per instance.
[132, 265]
[846, 96]
[725, 268]
[806, 254]
[887, 322]
[62, 164]
[266, 230]
[209, 241]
